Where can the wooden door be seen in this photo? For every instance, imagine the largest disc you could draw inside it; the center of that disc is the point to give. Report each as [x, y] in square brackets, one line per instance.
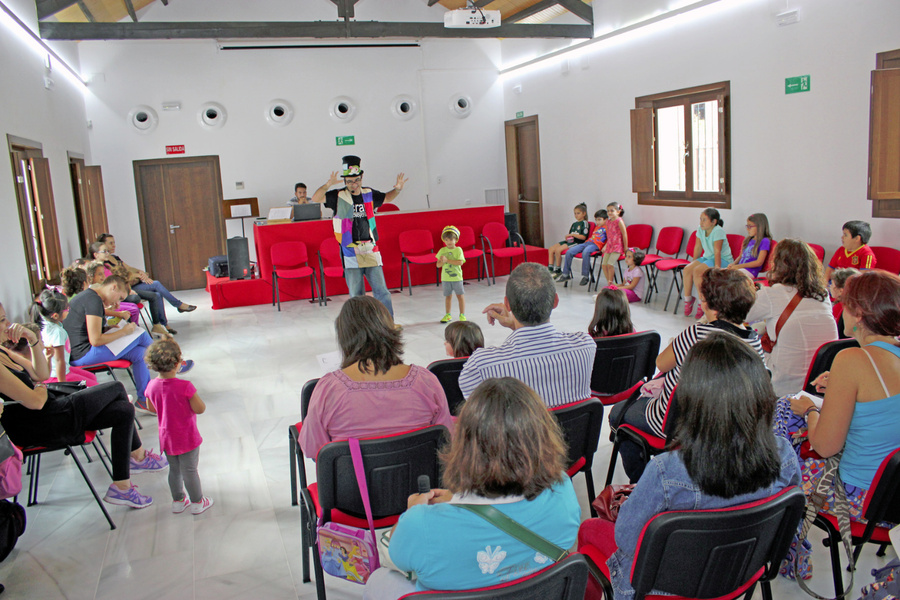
[523, 168]
[180, 210]
[884, 136]
[90, 201]
[45, 215]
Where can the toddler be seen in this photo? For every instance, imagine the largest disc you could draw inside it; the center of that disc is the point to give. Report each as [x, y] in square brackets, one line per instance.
[713, 251]
[48, 313]
[462, 338]
[854, 251]
[578, 232]
[594, 244]
[756, 246]
[450, 260]
[177, 406]
[616, 240]
[612, 316]
[633, 276]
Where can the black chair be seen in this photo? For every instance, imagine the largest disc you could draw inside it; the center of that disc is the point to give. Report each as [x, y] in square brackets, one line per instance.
[718, 553]
[294, 439]
[565, 580]
[822, 360]
[650, 444]
[621, 363]
[581, 423]
[447, 371]
[882, 504]
[392, 465]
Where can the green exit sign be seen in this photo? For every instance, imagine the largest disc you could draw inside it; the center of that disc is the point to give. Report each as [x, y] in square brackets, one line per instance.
[346, 140]
[795, 85]
[520, 114]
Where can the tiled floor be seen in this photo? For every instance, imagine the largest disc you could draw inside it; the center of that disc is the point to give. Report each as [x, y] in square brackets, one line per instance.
[251, 363]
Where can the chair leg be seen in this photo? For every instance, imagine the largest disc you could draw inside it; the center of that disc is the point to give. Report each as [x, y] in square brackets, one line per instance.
[678, 279]
[105, 451]
[612, 462]
[402, 264]
[589, 480]
[87, 480]
[320, 575]
[493, 270]
[277, 293]
[35, 470]
[86, 455]
[881, 550]
[292, 448]
[484, 259]
[408, 278]
[834, 546]
[305, 544]
[324, 294]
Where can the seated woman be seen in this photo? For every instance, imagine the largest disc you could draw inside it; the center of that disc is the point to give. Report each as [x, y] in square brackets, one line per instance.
[727, 453]
[41, 418]
[861, 411]
[84, 324]
[96, 273]
[145, 287]
[839, 279]
[507, 451]
[373, 393]
[725, 298]
[796, 272]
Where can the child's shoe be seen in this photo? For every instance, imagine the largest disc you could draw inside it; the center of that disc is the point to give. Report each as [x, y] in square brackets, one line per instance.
[447, 318]
[130, 497]
[151, 462]
[186, 365]
[689, 306]
[552, 269]
[699, 313]
[200, 507]
[179, 506]
[462, 317]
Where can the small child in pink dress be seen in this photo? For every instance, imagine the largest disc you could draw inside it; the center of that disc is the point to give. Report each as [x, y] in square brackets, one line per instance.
[177, 406]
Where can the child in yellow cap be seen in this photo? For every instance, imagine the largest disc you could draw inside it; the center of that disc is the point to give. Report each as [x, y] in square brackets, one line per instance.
[450, 260]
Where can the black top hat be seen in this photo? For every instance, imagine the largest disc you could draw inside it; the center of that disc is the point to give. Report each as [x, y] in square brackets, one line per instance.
[351, 166]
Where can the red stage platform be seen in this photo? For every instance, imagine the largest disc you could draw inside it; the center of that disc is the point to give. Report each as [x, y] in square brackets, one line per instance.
[226, 293]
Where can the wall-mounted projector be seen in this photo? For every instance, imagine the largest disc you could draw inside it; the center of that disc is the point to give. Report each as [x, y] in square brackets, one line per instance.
[474, 18]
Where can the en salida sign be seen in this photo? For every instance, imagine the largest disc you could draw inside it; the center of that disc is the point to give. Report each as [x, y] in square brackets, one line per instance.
[795, 85]
[175, 149]
[345, 140]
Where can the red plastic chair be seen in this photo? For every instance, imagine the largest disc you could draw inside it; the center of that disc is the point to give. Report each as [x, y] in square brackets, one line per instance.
[639, 237]
[676, 265]
[497, 237]
[735, 242]
[667, 242]
[388, 207]
[417, 248]
[467, 243]
[818, 250]
[331, 264]
[887, 259]
[290, 261]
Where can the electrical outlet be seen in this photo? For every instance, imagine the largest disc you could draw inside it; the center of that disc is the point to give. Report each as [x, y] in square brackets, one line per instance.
[238, 185]
[439, 179]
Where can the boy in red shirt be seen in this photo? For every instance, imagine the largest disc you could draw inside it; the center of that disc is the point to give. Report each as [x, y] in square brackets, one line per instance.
[853, 253]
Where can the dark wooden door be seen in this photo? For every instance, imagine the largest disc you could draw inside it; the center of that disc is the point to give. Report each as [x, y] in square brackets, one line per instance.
[90, 201]
[45, 216]
[523, 166]
[180, 210]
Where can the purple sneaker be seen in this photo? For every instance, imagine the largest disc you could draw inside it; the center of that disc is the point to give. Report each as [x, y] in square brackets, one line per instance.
[186, 366]
[130, 497]
[151, 462]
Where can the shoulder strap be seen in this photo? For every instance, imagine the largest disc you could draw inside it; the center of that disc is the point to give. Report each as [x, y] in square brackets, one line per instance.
[356, 455]
[887, 394]
[788, 310]
[516, 530]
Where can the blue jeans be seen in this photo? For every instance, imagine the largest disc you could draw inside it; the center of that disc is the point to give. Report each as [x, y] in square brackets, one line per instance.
[133, 353]
[375, 275]
[586, 248]
[144, 290]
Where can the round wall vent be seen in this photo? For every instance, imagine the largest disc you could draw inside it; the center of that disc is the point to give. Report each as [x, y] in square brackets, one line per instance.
[460, 106]
[143, 119]
[404, 107]
[342, 109]
[212, 115]
[279, 113]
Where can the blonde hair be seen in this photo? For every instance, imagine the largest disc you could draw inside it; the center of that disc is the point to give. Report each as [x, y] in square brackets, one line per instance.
[163, 356]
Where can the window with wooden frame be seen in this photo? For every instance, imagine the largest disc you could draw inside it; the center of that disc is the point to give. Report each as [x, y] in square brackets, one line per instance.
[680, 147]
[884, 136]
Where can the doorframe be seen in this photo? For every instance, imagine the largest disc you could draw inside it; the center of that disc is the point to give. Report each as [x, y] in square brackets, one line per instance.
[512, 164]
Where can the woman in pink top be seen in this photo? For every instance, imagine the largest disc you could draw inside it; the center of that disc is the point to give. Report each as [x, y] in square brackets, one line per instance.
[373, 393]
[177, 406]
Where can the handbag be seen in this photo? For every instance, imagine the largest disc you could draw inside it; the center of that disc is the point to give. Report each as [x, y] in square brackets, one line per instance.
[347, 552]
[767, 343]
[12, 526]
[611, 498]
[886, 585]
[10, 467]
[66, 387]
[517, 530]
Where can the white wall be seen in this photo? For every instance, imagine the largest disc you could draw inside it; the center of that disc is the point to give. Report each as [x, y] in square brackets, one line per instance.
[802, 158]
[53, 117]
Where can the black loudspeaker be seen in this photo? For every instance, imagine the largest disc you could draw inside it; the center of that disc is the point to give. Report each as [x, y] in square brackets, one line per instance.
[511, 222]
[238, 258]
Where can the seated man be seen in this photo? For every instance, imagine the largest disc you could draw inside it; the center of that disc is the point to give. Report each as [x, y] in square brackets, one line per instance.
[556, 365]
[299, 196]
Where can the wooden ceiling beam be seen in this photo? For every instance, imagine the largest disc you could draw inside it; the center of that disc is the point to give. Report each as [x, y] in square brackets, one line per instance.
[584, 11]
[345, 8]
[86, 11]
[286, 29]
[165, 2]
[48, 8]
[130, 7]
[531, 10]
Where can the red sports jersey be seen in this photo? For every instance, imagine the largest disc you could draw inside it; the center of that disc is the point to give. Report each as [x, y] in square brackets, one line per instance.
[861, 258]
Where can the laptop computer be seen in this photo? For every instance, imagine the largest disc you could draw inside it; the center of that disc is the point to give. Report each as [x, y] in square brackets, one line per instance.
[307, 212]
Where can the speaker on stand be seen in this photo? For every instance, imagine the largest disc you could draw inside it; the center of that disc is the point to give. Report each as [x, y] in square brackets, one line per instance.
[238, 251]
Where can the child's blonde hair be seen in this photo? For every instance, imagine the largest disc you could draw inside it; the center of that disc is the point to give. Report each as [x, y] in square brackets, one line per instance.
[163, 356]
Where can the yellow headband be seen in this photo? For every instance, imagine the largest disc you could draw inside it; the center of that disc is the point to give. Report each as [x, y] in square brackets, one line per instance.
[452, 230]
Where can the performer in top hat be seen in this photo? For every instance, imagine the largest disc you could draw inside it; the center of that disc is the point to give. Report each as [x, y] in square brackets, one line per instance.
[354, 227]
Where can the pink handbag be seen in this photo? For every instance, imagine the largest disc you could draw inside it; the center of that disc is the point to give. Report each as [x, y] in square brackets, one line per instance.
[10, 467]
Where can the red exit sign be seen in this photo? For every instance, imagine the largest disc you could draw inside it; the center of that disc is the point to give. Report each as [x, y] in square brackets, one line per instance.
[175, 149]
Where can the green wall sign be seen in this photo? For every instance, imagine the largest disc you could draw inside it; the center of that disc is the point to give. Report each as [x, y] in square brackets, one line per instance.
[520, 114]
[346, 140]
[795, 85]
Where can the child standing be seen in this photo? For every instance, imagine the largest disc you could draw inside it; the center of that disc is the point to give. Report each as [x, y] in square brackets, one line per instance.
[177, 406]
[633, 276]
[48, 313]
[616, 240]
[612, 316]
[714, 251]
[594, 244]
[853, 253]
[578, 232]
[462, 339]
[450, 260]
[756, 246]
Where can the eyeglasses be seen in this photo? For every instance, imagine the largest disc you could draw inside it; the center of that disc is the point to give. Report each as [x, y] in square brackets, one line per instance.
[352, 180]
[102, 251]
[749, 227]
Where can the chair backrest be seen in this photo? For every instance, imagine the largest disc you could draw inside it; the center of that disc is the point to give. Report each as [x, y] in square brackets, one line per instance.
[818, 250]
[822, 360]
[392, 466]
[581, 423]
[882, 502]
[447, 371]
[496, 233]
[330, 252]
[639, 236]
[466, 237]
[288, 254]
[417, 241]
[692, 241]
[770, 258]
[669, 240]
[592, 225]
[388, 207]
[711, 553]
[735, 242]
[306, 395]
[565, 580]
[887, 259]
[623, 360]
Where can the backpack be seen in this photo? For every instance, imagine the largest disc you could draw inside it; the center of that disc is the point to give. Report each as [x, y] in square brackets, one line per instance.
[12, 525]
